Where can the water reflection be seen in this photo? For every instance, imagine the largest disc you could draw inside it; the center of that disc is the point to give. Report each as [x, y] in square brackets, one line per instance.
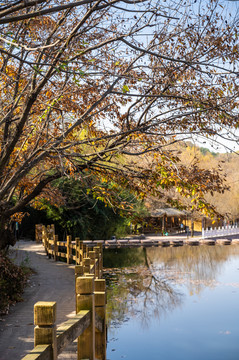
[195, 266]
[195, 288]
[137, 290]
[147, 282]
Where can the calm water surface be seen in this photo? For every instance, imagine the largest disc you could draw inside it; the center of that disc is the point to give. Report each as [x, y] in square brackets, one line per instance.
[173, 303]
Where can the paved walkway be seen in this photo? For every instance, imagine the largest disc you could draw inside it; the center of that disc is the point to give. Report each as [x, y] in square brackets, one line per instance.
[53, 281]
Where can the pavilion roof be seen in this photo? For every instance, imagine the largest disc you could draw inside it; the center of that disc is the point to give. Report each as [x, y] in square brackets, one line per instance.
[169, 212]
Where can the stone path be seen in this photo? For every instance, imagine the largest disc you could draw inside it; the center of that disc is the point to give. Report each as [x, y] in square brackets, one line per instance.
[53, 281]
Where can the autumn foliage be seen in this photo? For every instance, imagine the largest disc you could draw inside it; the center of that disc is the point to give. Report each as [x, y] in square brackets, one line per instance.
[103, 88]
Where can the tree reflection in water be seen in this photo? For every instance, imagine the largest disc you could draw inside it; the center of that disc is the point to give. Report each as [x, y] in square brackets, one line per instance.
[146, 282]
[196, 267]
[137, 290]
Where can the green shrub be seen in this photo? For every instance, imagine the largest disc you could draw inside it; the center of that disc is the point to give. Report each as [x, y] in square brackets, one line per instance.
[13, 279]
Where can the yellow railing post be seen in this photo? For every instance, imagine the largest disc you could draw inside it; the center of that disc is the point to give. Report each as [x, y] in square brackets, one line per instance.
[92, 261]
[100, 260]
[100, 309]
[44, 236]
[79, 271]
[68, 249]
[97, 270]
[77, 250]
[86, 265]
[55, 247]
[85, 300]
[47, 240]
[45, 330]
[38, 233]
[81, 251]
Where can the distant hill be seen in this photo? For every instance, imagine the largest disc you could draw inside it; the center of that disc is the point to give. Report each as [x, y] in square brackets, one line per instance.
[227, 203]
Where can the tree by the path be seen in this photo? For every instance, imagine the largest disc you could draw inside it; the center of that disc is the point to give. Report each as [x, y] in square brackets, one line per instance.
[103, 87]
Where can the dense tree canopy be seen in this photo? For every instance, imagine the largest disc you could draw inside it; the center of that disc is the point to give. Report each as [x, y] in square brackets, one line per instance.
[84, 214]
[103, 87]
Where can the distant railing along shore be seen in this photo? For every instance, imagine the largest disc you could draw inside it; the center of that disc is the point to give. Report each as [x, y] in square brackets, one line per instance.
[220, 231]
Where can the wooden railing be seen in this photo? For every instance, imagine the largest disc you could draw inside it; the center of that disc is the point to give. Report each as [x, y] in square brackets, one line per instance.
[72, 251]
[88, 325]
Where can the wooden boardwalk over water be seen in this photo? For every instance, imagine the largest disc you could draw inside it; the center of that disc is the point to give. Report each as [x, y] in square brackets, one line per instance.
[72, 249]
[176, 240]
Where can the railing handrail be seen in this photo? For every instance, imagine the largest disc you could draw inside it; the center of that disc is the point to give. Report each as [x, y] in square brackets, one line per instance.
[65, 334]
[220, 231]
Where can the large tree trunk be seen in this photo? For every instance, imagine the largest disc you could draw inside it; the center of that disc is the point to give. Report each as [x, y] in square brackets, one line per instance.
[7, 237]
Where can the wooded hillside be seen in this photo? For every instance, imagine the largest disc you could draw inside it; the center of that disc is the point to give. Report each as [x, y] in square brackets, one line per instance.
[227, 202]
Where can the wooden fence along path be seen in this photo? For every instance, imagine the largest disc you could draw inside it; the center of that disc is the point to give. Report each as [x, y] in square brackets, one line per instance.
[76, 250]
[88, 325]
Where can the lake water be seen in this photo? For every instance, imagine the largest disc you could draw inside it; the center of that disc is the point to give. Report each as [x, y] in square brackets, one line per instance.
[173, 303]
